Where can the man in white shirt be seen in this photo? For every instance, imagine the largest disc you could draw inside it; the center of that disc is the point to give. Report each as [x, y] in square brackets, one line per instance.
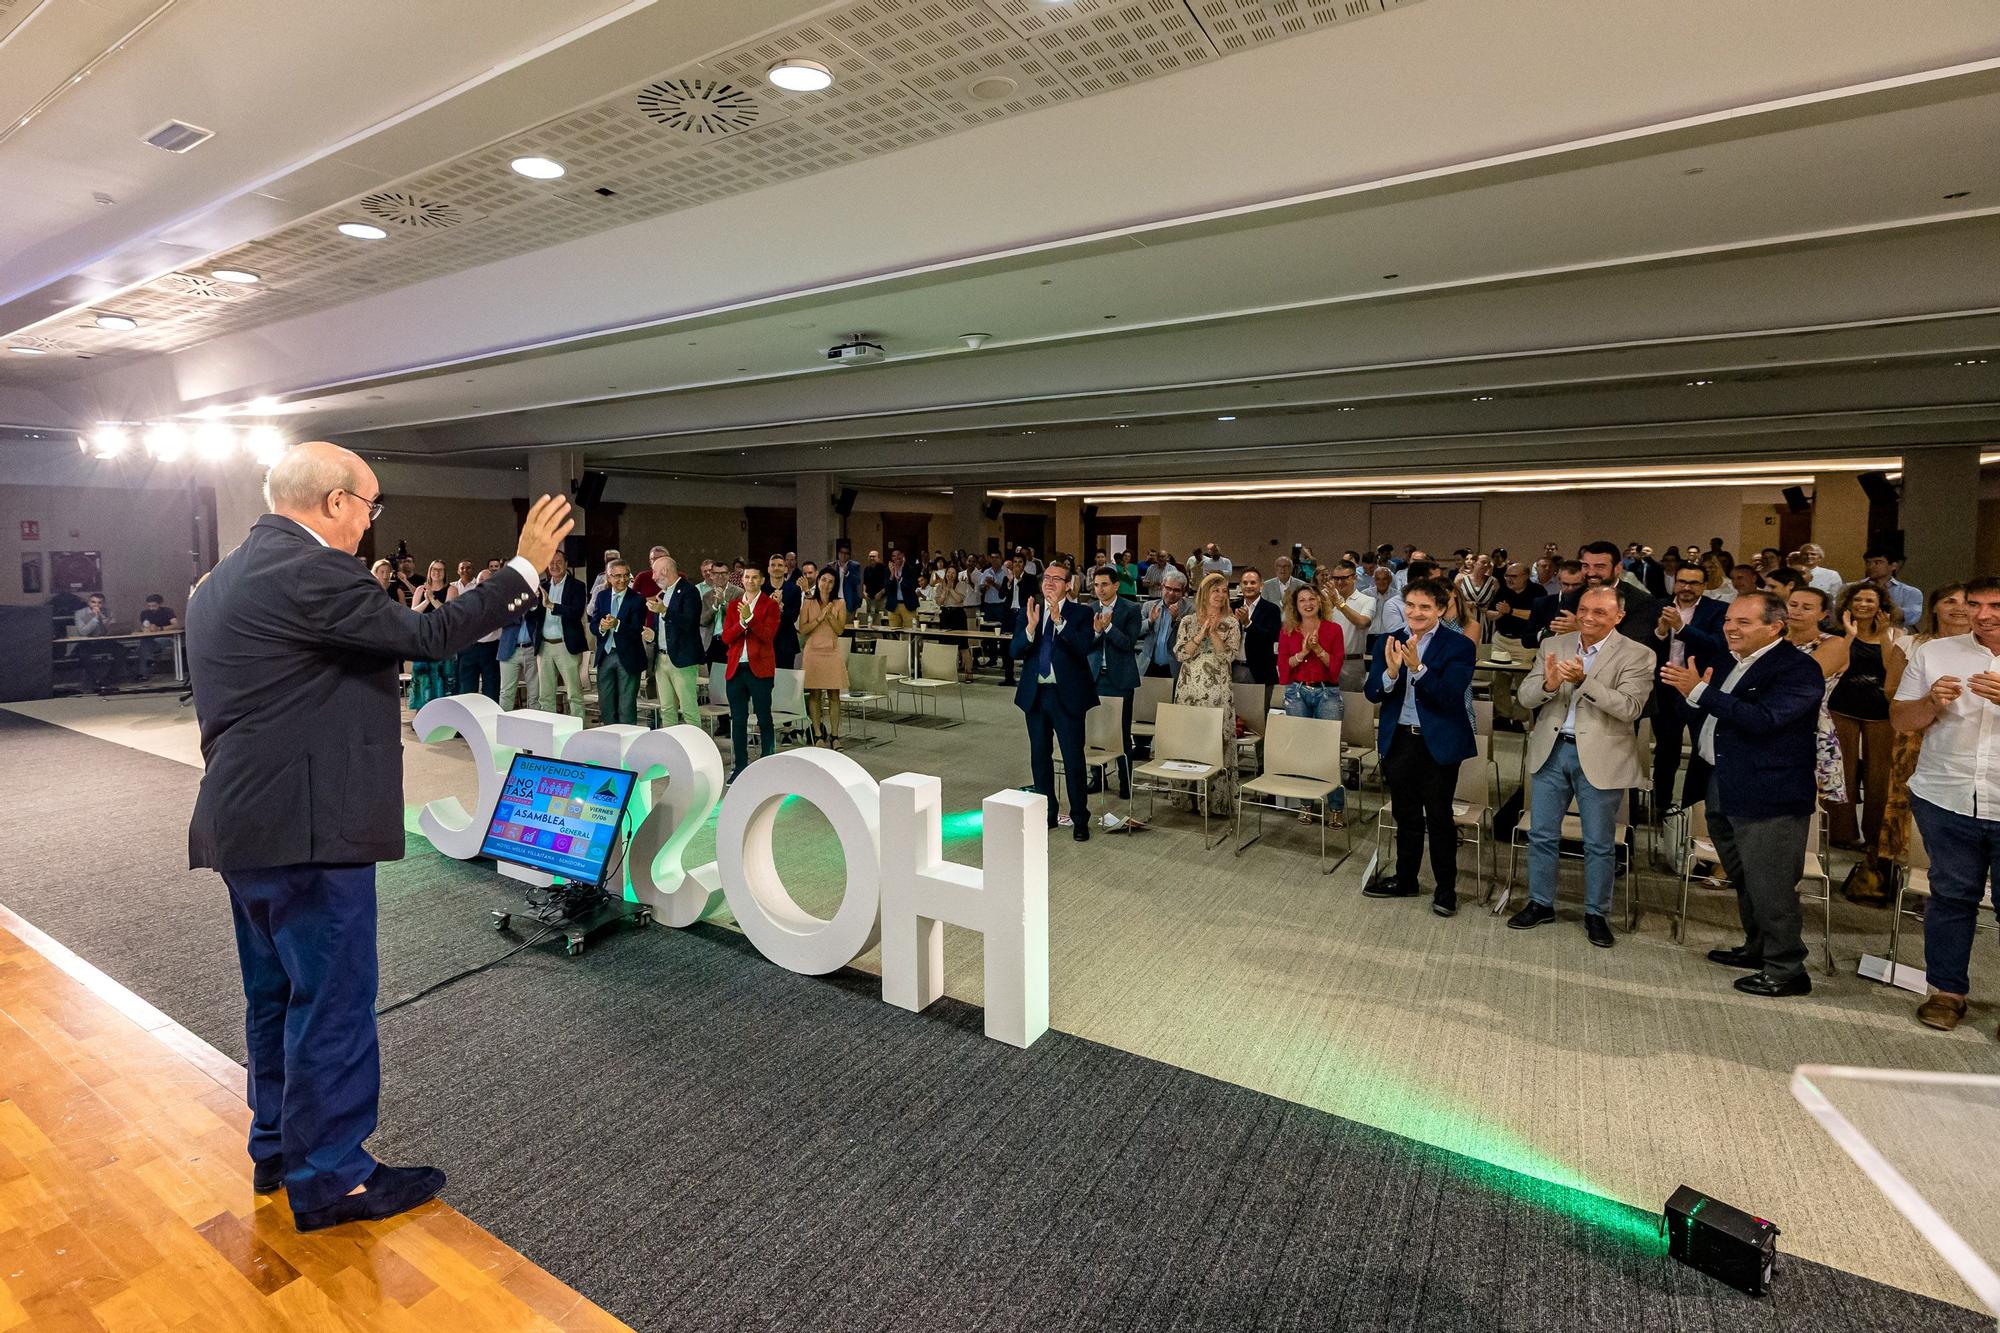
[1354, 611]
[1214, 562]
[1951, 693]
[1742, 579]
[1826, 580]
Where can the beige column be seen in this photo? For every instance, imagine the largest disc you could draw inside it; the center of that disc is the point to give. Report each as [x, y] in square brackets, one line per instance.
[1840, 521]
[1069, 527]
[818, 527]
[239, 502]
[968, 518]
[550, 472]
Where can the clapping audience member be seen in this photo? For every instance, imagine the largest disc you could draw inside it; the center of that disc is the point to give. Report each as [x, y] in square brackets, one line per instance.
[1419, 678]
[1344, 603]
[1756, 719]
[1206, 646]
[749, 631]
[1162, 626]
[618, 622]
[431, 680]
[1948, 615]
[822, 620]
[1587, 697]
[1311, 654]
[1052, 644]
[1904, 603]
[1260, 621]
[1859, 703]
[1948, 692]
[1114, 635]
[674, 620]
[1512, 612]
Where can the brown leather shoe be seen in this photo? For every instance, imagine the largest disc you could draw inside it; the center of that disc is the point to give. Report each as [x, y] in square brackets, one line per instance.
[1941, 1011]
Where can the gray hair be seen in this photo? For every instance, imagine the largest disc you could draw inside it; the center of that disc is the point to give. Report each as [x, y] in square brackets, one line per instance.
[657, 550]
[301, 479]
[610, 565]
[1173, 578]
[1774, 605]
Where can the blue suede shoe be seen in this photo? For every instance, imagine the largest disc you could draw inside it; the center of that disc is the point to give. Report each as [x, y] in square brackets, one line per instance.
[269, 1177]
[389, 1190]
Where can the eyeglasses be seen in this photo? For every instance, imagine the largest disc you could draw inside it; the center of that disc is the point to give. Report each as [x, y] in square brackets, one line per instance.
[375, 506]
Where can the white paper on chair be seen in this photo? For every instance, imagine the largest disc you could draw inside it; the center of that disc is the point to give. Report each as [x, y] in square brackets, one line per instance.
[1181, 766]
[1460, 807]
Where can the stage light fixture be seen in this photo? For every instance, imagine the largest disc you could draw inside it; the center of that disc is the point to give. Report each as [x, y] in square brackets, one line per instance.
[361, 231]
[265, 444]
[538, 168]
[1726, 1243]
[166, 441]
[800, 76]
[214, 442]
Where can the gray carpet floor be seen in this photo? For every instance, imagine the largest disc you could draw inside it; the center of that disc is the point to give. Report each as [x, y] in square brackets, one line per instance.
[696, 1139]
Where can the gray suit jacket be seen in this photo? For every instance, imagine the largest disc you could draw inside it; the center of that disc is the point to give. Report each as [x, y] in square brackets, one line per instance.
[1609, 701]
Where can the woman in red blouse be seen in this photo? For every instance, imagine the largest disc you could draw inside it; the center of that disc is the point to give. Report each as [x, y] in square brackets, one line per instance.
[1310, 651]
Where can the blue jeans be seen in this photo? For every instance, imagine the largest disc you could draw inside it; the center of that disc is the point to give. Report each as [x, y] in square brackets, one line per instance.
[1558, 779]
[1323, 702]
[305, 938]
[1965, 861]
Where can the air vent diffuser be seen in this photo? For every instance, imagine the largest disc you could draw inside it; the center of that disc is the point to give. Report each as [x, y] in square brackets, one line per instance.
[705, 108]
[176, 137]
[403, 209]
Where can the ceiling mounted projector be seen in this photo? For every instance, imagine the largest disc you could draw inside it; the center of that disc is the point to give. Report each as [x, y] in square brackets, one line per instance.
[855, 353]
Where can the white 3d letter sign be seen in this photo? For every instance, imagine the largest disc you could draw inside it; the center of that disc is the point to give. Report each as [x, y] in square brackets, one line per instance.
[900, 890]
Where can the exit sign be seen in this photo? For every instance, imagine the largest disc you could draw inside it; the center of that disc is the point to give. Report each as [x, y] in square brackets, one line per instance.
[31, 531]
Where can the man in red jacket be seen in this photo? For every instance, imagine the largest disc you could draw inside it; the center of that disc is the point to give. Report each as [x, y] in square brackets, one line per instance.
[749, 628]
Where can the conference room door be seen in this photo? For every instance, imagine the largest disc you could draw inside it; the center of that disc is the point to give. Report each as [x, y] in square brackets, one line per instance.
[1435, 526]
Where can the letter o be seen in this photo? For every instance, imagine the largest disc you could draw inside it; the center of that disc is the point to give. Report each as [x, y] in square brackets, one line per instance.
[783, 931]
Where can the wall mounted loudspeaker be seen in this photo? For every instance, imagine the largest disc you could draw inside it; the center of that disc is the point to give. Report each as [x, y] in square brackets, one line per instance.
[1880, 489]
[590, 490]
[843, 504]
[993, 508]
[1795, 499]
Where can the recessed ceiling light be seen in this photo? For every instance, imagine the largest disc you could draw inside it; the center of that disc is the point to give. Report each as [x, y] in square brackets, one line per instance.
[242, 276]
[1482, 398]
[109, 441]
[1225, 418]
[361, 231]
[1347, 409]
[30, 351]
[117, 322]
[1973, 361]
[538, 168]
[1696, 384]
[165, 441]
[800, 76]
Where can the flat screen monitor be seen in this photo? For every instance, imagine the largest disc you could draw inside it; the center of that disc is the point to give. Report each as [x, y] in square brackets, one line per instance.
[559, 816]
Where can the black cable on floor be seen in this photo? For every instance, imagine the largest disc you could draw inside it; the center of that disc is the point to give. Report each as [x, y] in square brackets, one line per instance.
[432, 989]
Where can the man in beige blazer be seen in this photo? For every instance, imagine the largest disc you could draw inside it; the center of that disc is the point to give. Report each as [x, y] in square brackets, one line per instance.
[1590, 691]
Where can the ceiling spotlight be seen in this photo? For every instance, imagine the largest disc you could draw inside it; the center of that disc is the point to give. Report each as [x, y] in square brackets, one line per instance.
[538, 168]
[1697, 384]
[241, 276]
[166, 441]
[361, 231]
[109, 441]
[30, 351]
[1482, 398]
[213, 441]
[120, 322]
[264, 444]
[800, 76]
[1971, 361]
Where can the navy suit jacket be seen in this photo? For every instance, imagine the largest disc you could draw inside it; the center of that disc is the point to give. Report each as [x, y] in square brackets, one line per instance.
[1260, 641]
[1076, 693]
[677, 631]
[850, 584]
[293, 652]
[1702, 638]
[570, 611]
[1441, 708]
[1112, 662]
[628, 640]
[1766, 732]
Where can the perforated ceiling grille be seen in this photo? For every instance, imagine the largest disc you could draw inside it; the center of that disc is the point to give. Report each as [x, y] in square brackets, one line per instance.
[905, 71]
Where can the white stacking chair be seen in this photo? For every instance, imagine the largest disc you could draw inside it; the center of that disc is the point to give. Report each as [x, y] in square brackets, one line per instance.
[716, 710]
[1184, 735]
[788, 702]
[866, 688]
[1253, 710]
[1152, 692]
[1103, 741]
[1301, 763]
[940, 673]
[894, 654]
[1357, 736]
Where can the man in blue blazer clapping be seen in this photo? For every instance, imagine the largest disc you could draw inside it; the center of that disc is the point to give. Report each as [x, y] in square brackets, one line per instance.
[1114, 663]
[1756, 722]
[618, 620]
[1052, 644]
[1418, 678]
